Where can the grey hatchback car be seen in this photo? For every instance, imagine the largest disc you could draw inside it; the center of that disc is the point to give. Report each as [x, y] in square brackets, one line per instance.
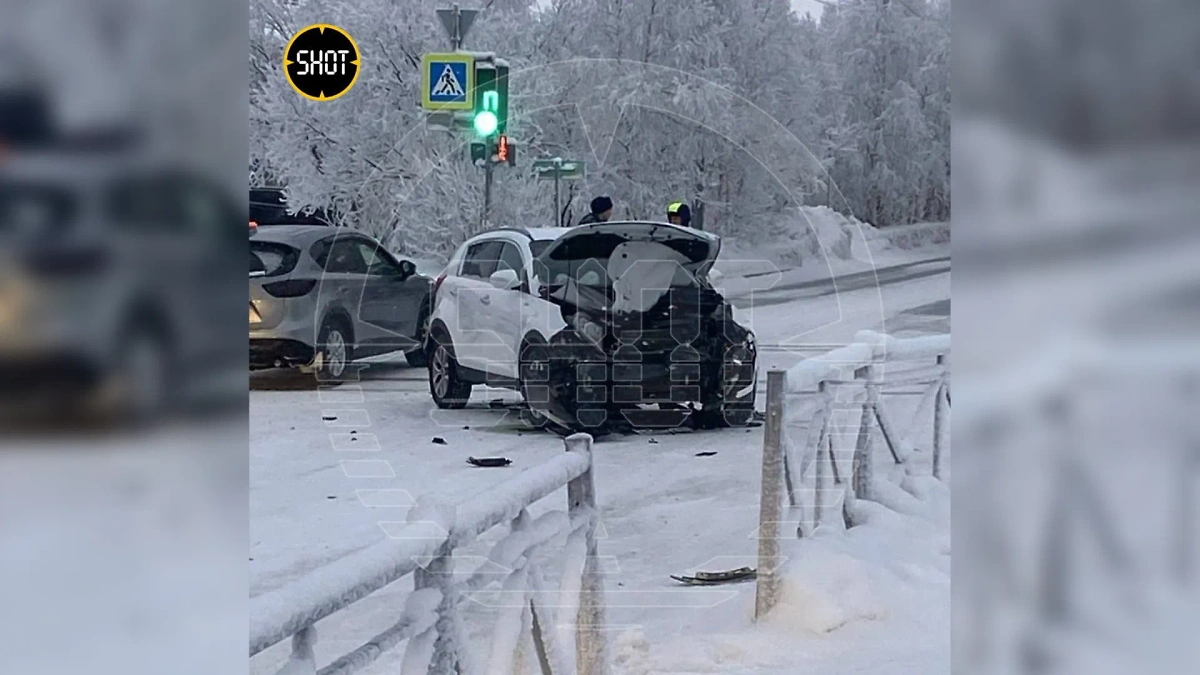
[323, 296]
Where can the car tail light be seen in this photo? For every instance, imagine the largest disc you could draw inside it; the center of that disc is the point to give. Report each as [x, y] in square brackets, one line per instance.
[437, 283]
[292, 288]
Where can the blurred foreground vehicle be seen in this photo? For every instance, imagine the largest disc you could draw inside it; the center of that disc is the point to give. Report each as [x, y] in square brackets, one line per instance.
[597, 325]
[116, 272]
[322, 296]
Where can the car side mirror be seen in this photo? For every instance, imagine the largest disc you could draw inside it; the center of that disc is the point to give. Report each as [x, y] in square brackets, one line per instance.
[407, 268]
[715, 275]
[505, 279]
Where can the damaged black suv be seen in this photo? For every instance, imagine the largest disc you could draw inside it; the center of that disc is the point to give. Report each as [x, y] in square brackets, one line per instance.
[648, 342]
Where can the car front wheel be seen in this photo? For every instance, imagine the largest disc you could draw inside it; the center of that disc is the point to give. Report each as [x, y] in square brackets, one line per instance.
[446, 385]
[734, 407]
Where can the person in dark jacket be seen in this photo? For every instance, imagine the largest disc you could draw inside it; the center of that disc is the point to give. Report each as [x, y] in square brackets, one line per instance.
[601, 211]
[679, 214]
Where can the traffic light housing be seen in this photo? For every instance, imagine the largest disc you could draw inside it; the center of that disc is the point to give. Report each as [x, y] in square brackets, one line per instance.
[502, 149]
[478, 152]
[490, 116]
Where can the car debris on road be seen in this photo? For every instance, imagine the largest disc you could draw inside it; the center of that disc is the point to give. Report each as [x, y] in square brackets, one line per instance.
[714, 578]
[489, 462]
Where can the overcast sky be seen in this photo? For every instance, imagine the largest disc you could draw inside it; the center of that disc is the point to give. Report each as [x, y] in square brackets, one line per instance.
[811, 6]
[801, 6]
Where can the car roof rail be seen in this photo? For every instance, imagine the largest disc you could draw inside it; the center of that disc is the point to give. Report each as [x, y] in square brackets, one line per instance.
[518, 230]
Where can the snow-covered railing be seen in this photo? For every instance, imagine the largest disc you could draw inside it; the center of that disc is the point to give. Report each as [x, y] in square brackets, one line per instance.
[853, 379]
[566, 635]
[1115, 442]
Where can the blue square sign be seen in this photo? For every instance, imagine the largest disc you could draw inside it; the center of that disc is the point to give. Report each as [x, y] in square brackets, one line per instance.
[447, 81]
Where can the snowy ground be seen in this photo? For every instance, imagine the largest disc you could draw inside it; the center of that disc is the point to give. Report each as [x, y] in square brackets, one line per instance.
[876, 601]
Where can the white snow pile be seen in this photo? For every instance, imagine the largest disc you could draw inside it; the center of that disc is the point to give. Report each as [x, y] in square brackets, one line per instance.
[818, 235]
[871, 600]
[914, 236]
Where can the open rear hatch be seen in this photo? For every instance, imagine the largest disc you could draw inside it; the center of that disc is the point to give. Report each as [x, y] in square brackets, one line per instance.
[622, 269]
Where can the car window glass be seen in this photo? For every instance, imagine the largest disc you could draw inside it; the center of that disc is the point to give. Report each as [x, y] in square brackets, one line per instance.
[320, 251]
[510, 258]
[345, 257]
[481, 259]
[145, 205]
[36, 209]
[206, 211]
[272, 259]
[377, 263]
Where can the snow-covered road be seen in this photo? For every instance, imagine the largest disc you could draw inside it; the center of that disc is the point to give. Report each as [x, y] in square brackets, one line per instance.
[330, 470]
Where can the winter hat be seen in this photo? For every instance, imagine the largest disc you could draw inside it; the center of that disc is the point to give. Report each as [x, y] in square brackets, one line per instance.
[680, 209]
[601, 204]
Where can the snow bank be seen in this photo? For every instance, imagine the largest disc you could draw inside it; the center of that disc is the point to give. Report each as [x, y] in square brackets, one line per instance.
[820, 236]
[874, 600]
[812, 234]
[824, 589]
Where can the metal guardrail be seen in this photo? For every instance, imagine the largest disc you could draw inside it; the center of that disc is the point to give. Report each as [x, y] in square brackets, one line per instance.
[849, 378]
[1087, 550]
[567, 637]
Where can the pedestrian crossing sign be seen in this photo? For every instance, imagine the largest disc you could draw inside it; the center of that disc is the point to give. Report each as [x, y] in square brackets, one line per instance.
[447, 81]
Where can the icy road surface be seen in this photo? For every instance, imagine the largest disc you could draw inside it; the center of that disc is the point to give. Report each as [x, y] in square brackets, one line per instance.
[321, 459]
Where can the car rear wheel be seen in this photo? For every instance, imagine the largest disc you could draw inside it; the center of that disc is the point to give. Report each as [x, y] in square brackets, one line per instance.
[446, 385]
[335, 351]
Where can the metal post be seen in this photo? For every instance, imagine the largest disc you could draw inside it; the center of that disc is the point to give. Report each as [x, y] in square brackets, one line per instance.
[438, 573]
[939, 414]
[589, 624]
[302, 661]
[557, 173]
[817, 429]
[456, 36]
[771, 501]
[487, 184]
[864, 469]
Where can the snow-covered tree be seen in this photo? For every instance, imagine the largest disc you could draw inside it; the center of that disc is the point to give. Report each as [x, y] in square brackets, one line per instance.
[739, 107]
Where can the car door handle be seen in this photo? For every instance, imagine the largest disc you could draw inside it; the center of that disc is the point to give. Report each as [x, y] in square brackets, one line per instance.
[485, 299]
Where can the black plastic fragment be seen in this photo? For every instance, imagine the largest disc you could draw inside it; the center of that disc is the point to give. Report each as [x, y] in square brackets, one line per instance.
[489, 461]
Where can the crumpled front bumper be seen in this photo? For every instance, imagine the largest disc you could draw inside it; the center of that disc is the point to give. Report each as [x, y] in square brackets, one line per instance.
[658, 387]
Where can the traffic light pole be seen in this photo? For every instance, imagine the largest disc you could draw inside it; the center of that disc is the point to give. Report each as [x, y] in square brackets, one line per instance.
[487, 186]
[557, 208]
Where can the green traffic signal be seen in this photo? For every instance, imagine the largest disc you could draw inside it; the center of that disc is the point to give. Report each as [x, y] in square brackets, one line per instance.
[485, 123]
[491, 100]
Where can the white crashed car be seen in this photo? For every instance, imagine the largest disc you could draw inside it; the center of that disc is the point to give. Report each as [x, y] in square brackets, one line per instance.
[597, 326]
